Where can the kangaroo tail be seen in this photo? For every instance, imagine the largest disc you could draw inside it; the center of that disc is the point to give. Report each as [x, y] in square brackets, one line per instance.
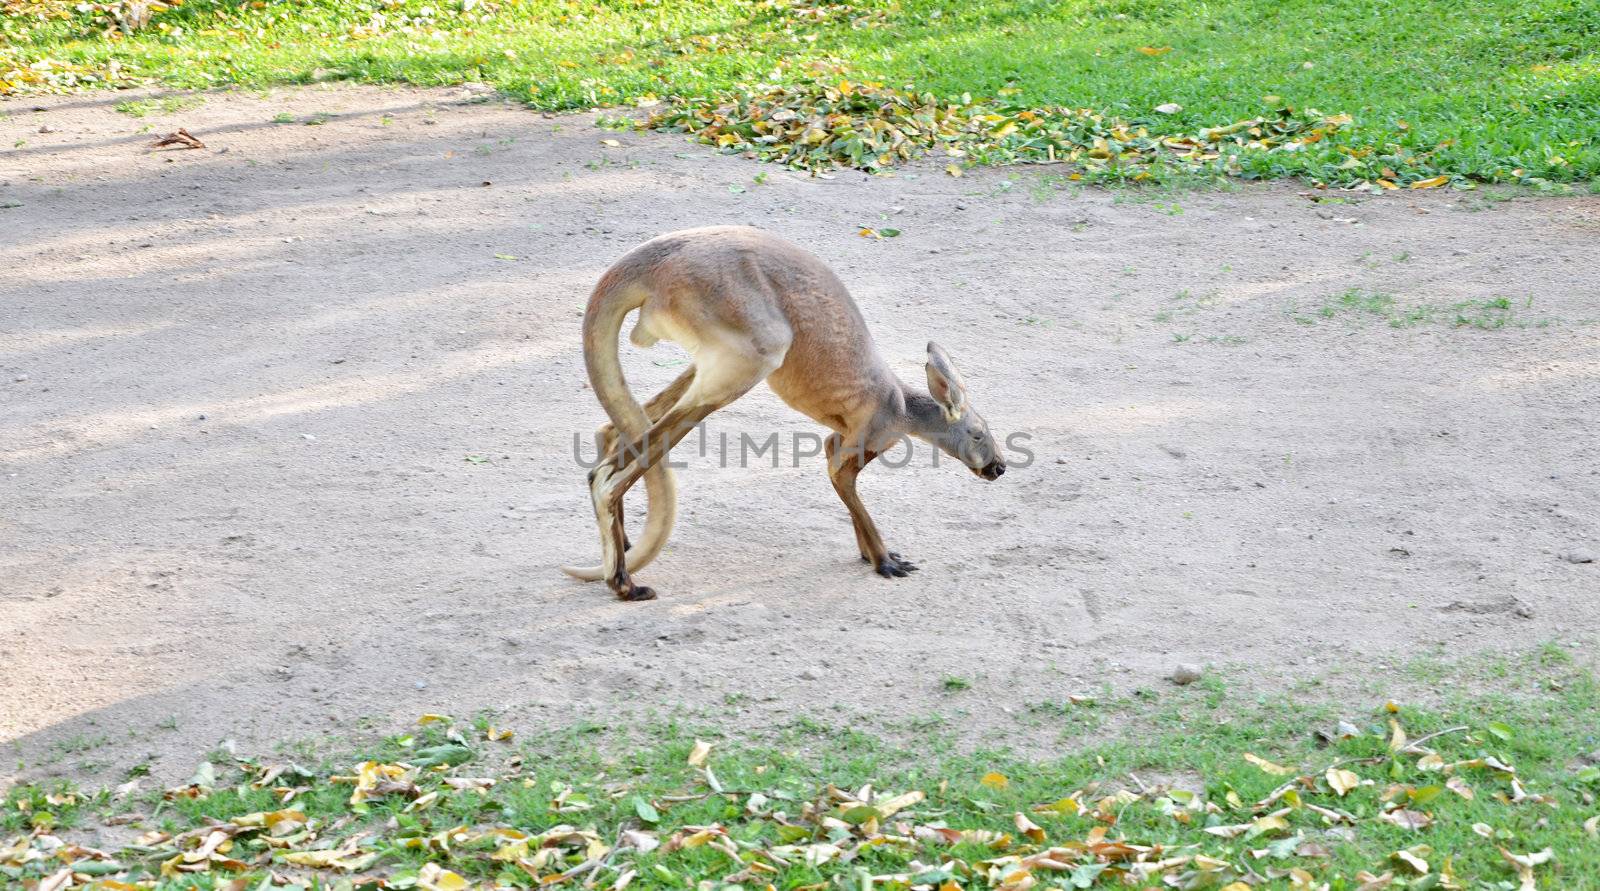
[614, 297]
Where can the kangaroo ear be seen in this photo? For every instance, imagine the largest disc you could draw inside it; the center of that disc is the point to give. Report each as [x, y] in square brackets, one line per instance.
[944, 382]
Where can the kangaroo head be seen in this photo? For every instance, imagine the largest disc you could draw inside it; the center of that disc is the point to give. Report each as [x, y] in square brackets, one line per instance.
[964, 434]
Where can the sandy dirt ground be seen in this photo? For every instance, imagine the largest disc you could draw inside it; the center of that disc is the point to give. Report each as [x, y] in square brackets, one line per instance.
[286, 435]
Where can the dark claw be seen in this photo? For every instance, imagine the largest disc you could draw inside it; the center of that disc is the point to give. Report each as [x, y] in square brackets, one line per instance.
[639, 592]
[894, 566]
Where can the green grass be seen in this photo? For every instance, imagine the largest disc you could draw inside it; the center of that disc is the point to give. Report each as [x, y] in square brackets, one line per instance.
[162, 105]
[1193, 771]
[1494, 90]
[1486, 314]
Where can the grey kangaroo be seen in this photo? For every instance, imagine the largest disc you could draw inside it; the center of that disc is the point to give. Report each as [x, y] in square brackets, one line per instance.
[749, 306]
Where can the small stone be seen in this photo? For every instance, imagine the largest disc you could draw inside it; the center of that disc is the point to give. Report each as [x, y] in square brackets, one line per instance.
[422, 685]
[21, 378]
[1185, 674]
[813, 674]
[1347, 730]
[307, 437]
[1579, 555]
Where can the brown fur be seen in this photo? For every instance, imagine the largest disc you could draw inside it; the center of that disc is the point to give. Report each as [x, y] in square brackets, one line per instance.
[748, 307]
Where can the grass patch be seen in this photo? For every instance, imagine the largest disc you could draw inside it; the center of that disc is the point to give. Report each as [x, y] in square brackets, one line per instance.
[1198, 790]
[139, 108]
[1491, 90]
[1485, 314]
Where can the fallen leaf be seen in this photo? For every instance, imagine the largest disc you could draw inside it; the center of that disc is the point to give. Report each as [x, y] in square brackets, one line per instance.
[434, 877]
[1028, 828]
[1413, 857]
[611, 143]
[1430, 183]
[698, 754]
[1524, 864]
[1407, 819]
[1342, 781]
[180, 137]
[1268, 766]
[995, 780]
[1155, 50]
[1169, 108]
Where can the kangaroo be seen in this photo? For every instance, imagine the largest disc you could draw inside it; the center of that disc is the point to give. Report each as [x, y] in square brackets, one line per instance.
[749, 306]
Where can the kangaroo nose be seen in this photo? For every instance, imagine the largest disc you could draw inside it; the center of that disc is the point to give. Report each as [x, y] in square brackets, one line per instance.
[994, 470]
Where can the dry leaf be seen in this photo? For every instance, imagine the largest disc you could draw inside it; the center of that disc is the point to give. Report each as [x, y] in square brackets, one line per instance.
[698, 754]
[434, 877]
[1342, 781]
[1268, 766]
[1413, 857]
[1029, 828]
[995, 780]
[181, 137]
[1155, 50]
[1407, 819]
[1430, 183]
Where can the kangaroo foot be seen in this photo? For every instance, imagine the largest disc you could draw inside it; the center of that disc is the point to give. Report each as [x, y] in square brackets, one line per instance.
[892, 565]
[637, 592]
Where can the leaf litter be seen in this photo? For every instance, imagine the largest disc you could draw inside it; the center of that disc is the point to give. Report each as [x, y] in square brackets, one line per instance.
[425, 822]
[821, 119]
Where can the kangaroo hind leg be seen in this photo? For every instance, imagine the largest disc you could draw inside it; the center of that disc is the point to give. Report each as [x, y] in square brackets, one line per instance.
[606, 436]
[723, 373]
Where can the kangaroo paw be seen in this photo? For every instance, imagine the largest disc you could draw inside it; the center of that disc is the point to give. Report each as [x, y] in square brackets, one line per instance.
[638, 592]
[892, 565]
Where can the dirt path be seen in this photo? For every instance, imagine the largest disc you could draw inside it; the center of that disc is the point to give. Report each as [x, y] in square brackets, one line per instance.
[239, 387]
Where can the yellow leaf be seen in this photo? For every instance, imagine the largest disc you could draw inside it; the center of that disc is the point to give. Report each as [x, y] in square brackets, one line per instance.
[1397, 736]
[889, 808]
[434, 719]
[1460, 787]
[1065, 807]
[953, 170]
[611, 142]
[1385, 184]
[1432, 183]
[698, 754]
[1342, 781]
[1029, 828]
[1237, 886]
[1391, 706]
[995, 780]
[498, 734]
[1412, 857]
[1155, 50]
[1268, 766]
[434, 877]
